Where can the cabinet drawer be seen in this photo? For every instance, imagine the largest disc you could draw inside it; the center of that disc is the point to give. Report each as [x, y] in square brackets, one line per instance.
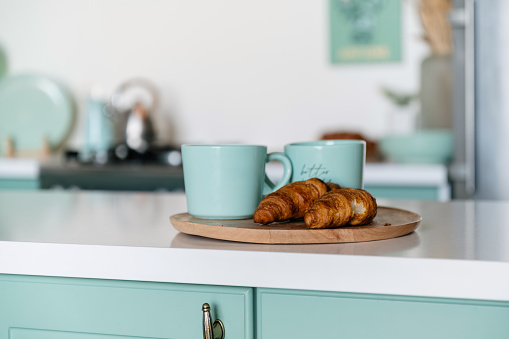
[67, 308]
[308, 314]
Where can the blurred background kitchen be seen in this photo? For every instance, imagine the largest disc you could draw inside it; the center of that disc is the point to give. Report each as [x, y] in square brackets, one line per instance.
[101, 94]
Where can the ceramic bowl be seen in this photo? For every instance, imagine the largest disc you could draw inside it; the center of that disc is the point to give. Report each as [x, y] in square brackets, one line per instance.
[422, 147]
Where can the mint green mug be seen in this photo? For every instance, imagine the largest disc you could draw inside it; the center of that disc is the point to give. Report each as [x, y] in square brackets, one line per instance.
[338, 161]
[227, 181]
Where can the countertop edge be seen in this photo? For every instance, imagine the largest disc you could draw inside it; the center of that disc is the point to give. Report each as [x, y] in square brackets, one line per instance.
[443, 278]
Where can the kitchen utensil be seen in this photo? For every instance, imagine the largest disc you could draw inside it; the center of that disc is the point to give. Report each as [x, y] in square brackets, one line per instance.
[389, 223]
[139, 133]
[34, 108]
[131, 106]
[99, 131]
[227, 181]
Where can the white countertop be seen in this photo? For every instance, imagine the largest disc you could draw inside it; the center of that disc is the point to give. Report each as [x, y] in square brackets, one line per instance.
[19, 168]
[392, 174]
[460, 250]
[389, 174]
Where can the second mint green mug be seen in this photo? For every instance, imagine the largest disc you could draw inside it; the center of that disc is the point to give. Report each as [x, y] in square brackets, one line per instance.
[227, 181]
[338, 161]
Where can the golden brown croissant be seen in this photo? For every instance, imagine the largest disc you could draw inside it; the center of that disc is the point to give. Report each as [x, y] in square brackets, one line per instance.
[341, 207]
[363, 204]
[332, 186]
[290, 201]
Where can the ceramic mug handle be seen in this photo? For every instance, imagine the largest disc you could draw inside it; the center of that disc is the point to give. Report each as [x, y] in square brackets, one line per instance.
[287, 173]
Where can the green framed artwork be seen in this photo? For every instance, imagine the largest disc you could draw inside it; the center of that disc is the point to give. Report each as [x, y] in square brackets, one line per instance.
[365, 31]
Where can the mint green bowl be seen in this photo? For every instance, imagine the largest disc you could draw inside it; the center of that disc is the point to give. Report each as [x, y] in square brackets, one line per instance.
[422, 147]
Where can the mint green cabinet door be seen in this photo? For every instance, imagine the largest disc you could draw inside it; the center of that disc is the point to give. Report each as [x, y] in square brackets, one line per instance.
[19, 184]
[65, 308]
[406, 192]
[307, 314]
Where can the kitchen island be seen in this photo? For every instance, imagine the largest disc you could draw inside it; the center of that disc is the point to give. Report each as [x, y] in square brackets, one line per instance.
[98, 264]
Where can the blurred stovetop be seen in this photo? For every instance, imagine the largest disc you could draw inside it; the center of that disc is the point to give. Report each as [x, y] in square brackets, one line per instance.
[158, 169]
[121, 154]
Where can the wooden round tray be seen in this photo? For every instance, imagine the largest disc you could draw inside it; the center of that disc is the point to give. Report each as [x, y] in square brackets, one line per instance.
[388, 223]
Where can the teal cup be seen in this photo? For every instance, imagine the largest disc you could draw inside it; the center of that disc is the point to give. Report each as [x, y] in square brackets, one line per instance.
[227, 181]
[338, 161]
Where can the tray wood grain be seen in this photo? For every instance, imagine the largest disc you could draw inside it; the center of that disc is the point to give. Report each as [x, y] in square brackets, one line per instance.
[388, 223]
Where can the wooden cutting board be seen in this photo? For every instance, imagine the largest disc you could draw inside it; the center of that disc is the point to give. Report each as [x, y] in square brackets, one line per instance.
[388, 223]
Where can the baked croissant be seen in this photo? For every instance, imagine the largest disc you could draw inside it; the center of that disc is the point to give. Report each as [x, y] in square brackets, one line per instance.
[332, 186]
[341, 207]
[363, 204]
[290, 201]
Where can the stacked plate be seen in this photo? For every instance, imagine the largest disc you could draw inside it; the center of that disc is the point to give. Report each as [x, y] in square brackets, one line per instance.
[34, 111]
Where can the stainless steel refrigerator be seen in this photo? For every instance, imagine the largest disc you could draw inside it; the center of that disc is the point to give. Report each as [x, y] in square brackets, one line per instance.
[480, 166]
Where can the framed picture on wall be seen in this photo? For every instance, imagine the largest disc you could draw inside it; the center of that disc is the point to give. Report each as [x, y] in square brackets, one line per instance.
[365, 31]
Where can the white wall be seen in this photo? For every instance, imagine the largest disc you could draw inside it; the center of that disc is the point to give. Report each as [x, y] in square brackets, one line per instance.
[228, 70]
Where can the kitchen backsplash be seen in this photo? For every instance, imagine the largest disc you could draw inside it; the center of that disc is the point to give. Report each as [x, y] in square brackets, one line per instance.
[227, 70]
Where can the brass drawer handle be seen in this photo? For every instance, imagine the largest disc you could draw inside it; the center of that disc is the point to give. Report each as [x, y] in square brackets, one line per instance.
[211, 330]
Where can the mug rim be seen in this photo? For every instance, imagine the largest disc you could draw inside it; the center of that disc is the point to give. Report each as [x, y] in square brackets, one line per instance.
[221, 145]
[329, 142]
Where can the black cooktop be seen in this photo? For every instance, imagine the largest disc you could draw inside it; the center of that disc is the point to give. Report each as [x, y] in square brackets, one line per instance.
[121, 154]
[158, 169]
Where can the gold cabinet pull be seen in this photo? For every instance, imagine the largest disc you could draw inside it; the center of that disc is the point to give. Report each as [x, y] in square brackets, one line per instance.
[211, 330]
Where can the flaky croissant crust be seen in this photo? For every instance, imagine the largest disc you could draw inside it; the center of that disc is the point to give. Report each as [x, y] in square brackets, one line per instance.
[340, 207]
[289, 202]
